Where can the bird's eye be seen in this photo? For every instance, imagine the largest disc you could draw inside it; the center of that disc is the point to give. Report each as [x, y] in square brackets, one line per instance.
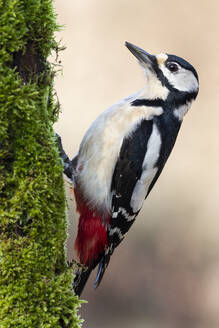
[172, 67]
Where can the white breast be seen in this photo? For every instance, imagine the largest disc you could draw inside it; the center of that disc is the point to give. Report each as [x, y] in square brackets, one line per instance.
[100, 149]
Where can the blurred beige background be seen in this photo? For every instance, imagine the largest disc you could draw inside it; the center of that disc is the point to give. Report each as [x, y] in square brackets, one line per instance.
[166, 272]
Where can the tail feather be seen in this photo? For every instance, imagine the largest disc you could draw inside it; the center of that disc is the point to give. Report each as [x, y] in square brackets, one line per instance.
[80, 280]
[82, 276]
[101, 269]
[91, 242]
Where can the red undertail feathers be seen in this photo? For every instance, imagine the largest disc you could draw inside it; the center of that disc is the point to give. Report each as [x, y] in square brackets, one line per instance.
[92, 236]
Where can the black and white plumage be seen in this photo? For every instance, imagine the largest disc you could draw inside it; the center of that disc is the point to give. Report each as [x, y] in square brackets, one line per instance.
[122, 155]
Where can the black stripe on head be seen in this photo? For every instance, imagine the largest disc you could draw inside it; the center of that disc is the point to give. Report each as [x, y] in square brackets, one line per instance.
[183, 63]
[164, 81]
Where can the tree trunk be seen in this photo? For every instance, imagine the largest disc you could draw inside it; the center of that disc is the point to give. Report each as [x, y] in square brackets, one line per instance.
[35, 282]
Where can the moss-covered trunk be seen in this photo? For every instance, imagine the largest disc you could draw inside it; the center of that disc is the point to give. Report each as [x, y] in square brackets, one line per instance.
[35, 283]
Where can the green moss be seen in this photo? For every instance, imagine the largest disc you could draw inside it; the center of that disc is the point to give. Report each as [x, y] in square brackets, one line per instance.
[35, 282]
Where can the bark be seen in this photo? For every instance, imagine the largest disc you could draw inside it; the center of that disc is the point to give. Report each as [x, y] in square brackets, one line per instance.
[35, 281]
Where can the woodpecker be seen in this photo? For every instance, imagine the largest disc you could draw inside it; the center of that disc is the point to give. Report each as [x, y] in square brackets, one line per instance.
[122, 155]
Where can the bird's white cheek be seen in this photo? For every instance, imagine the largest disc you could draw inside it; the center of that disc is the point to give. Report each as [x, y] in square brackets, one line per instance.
[183, 80]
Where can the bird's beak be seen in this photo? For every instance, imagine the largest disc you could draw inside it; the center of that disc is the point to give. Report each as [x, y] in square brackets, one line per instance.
[144, 57]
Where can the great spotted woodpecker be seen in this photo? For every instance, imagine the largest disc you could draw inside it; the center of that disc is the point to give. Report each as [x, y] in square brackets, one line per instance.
[122, 155]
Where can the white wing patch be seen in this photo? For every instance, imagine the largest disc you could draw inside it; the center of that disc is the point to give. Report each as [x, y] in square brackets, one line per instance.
[148, 170]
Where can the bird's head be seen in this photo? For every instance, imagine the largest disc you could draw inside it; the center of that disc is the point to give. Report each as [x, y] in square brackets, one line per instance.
[167, 74]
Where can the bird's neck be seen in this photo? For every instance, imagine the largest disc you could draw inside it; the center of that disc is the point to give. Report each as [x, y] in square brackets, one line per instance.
[154, 89]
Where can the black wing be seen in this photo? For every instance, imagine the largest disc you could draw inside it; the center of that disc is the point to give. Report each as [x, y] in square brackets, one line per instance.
[129, 167]
[127, 172]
